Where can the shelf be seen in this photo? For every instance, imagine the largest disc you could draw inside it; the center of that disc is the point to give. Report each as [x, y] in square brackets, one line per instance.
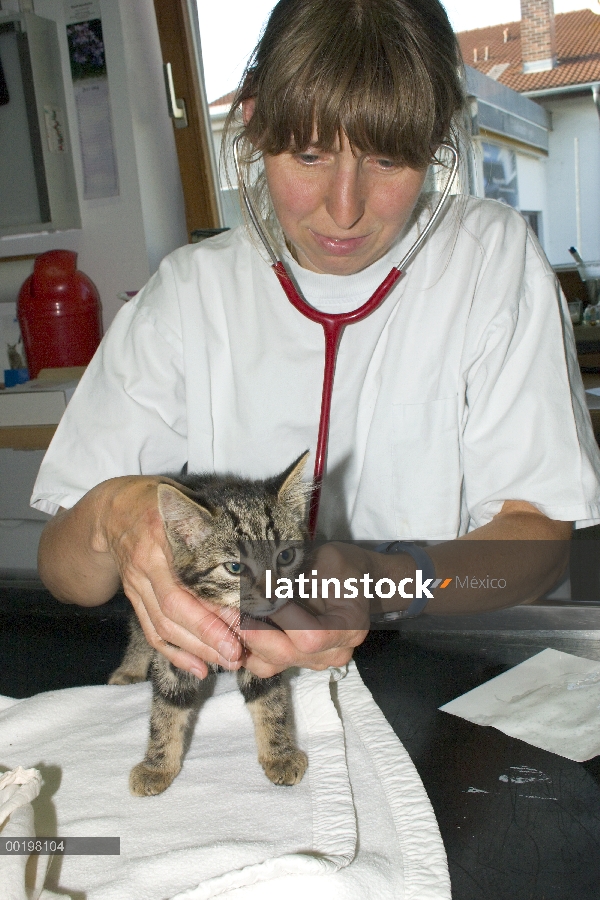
[26, 437]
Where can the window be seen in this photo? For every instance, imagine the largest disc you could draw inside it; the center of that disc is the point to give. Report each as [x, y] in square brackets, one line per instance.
[534, 220]
[500, 174]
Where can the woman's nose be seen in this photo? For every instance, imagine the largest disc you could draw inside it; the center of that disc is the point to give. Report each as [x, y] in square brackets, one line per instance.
[345, 201]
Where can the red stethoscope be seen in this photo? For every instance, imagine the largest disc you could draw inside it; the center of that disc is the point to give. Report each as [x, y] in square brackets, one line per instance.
[333, 324]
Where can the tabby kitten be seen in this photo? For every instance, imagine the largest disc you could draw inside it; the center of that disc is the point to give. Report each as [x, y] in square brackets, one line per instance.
[224, 533]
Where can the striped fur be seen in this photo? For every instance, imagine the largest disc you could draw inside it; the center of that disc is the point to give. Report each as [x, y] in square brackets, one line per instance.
[215, 525]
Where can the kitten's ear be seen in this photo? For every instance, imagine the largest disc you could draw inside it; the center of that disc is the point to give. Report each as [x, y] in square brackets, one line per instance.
[185, 521]
[289, 485]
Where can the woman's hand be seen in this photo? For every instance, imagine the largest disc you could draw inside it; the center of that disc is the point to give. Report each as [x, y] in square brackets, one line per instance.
[116, 533]
[323, 632]
[524, 547]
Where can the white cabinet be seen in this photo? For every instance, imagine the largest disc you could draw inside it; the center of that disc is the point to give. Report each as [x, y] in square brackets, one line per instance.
[20, 526]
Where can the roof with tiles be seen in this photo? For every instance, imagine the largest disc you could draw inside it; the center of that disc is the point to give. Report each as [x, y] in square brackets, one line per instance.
[225, 100]
[577, 50]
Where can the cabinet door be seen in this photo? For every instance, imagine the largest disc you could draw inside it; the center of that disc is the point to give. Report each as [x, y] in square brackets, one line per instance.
[20, 525]
[50, 105]
[18, 471]
[37, 178]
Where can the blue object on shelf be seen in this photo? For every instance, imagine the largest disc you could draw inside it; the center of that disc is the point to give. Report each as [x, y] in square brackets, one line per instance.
[15, 376]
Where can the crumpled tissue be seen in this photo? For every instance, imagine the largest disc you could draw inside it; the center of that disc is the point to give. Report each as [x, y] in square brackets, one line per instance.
[551, 701]
[21, 876]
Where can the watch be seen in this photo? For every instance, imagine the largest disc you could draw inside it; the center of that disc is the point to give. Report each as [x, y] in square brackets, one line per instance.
[423, 562]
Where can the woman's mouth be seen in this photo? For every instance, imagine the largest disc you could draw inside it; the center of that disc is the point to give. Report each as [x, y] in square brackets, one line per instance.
[339, 246]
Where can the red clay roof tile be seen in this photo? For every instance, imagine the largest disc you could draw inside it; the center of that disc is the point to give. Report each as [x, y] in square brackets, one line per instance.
[577, 50]
[225, 100]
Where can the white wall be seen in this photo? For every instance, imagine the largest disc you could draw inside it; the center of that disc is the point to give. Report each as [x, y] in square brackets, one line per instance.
[573, 117]
[123, 238]
[531, 178]
[532, 182]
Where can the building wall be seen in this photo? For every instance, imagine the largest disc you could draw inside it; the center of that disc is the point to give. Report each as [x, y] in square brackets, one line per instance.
[532, 181]
[122, 239]
[573, 117]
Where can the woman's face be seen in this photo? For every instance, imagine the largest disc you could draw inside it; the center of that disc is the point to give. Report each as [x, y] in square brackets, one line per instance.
[340, 211]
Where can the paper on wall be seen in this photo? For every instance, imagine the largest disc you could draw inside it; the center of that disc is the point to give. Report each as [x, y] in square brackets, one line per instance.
[91, 90]
[10, 336]
[81, 10]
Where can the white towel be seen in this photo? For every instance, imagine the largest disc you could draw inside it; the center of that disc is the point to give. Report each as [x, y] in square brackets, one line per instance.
[22, 876]
[359, 824]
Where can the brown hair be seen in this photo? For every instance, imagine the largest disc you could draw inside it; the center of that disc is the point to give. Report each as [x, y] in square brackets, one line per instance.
[385, 72]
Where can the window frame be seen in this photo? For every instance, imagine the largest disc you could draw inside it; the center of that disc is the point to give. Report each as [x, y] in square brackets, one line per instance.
[179, 37]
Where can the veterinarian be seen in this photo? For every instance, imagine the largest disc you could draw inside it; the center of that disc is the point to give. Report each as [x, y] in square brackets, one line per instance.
[458, 410]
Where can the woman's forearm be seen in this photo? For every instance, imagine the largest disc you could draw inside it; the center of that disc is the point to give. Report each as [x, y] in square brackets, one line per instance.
[68, 564]
[75, 561]
[513, 559]
[115, 536]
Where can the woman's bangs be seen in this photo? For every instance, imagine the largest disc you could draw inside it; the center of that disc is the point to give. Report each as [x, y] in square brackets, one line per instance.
[378, 113]
[385, 73]
[391, 121]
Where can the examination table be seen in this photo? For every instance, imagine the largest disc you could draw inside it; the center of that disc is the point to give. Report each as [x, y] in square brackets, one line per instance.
[518, 823]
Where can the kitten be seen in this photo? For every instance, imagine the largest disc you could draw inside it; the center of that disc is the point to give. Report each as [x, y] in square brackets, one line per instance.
[224, 533]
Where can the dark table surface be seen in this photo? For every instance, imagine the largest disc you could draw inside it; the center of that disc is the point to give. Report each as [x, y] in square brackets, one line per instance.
[518, 823]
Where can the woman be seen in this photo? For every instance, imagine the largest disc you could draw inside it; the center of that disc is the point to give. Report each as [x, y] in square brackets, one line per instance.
[453, 413]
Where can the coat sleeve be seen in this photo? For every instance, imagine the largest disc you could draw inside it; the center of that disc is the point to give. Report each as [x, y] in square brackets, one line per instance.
[527, 433]
[128, 415]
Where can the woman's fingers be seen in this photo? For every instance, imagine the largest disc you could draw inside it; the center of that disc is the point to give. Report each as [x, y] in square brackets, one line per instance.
[316, 638]
[269, 651]
[337, 616]
[175, 655]
[182, 627]
[204, 639]
[183, 617]
[319, 661]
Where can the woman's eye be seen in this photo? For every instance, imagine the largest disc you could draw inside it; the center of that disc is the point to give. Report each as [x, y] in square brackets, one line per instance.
[287, 556]
[308, 158]
[386, 163]
[234, 568]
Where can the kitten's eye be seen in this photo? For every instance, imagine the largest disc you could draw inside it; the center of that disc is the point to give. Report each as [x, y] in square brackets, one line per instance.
[234, 568]
[287, 556]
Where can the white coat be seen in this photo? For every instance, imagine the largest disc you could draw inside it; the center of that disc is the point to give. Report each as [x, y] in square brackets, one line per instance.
[460, 392]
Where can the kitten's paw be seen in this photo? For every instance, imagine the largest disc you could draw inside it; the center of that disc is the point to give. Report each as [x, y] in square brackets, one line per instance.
[146, 782]
[286, 769]
[122, 676]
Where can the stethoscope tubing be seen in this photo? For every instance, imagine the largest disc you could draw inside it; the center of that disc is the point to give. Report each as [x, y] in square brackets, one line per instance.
[333, 324]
